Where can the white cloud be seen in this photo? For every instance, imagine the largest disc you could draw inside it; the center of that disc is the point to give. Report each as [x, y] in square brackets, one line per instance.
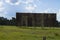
[1, 4]
[30, 8]
[9, 1]
[29, 1]
[1, 7]
[50, 10]
[3, 13]
[2, 10]
[58, 15]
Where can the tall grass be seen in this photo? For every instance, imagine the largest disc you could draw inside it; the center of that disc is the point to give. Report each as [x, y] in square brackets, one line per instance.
[29, 33]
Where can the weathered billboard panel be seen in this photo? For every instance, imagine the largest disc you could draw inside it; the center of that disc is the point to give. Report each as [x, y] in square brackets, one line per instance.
[36, 19]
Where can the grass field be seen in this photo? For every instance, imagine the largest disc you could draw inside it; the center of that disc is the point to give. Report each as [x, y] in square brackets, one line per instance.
[28, 33]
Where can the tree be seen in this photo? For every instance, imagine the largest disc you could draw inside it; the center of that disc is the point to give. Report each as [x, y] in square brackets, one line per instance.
[5, 21]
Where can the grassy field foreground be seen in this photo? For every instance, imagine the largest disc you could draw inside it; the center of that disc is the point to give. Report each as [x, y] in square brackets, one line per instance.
[28, 33]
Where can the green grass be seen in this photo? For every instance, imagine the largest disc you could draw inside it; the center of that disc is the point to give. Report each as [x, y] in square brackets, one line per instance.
[28, 33]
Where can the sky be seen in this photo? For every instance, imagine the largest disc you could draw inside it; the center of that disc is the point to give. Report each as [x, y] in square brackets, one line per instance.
[8, 8]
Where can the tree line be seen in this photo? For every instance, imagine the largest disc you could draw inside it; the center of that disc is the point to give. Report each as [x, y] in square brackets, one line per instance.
[5, 21]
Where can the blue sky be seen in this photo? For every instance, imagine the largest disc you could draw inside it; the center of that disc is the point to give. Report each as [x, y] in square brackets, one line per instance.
[8, 8]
